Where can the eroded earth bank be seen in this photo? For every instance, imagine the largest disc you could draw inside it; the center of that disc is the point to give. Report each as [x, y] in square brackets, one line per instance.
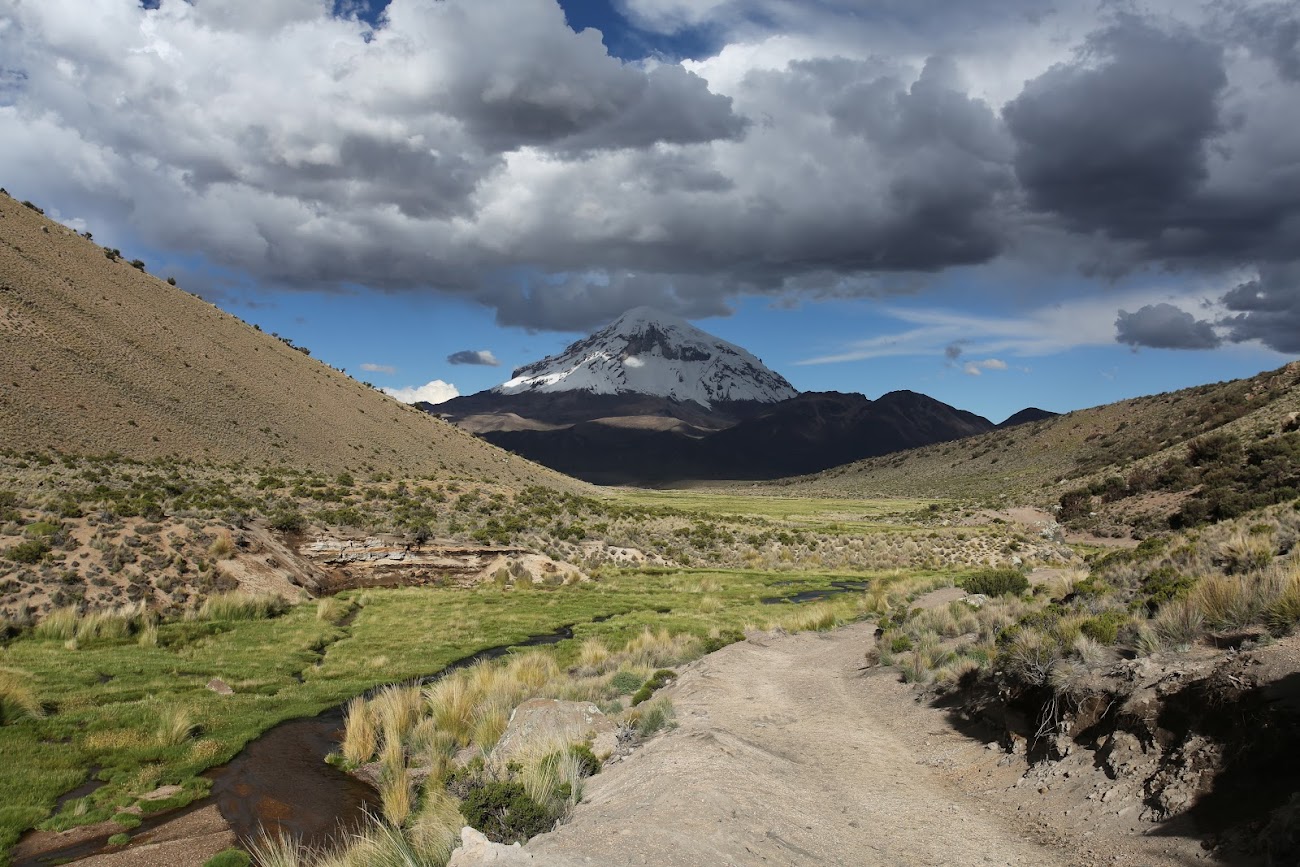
[790, 750]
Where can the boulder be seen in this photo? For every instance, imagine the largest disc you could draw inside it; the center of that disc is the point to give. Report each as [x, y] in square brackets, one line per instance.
[540, 719]
[476, 849]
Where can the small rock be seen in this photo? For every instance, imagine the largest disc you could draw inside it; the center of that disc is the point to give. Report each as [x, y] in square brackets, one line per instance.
[220, 687]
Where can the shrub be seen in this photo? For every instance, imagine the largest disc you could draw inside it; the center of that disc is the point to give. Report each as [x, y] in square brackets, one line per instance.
[588, 764]
[658, 680]
[996, 582]
[1163, 585]
[504, 812]
[1104, 627]
[288, 521]
[119, 839]
[229, 858]
[624, 682]
[29, 552]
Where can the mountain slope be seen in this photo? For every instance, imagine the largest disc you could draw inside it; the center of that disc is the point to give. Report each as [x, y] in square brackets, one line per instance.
[98, 357]
[1026, 415]
[648, 352]
[1042, 459]
[820, 429]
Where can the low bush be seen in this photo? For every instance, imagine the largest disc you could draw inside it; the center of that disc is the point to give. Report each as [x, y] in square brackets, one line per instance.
[504, 812]
[29, 552]
[657, 681]
[229, 858]
[624, 682]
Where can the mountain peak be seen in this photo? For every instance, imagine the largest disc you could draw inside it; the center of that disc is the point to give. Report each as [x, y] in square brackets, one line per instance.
[647, 351]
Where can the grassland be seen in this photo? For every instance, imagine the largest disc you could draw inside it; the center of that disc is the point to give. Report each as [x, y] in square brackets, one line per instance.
[812, 512]
[106, 703]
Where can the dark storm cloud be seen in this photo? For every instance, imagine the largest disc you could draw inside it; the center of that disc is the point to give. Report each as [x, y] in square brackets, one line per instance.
[1116, 140]
[486, 151]
[1272, 31]
[1164, 326]
[473, 356]
[1267, 309]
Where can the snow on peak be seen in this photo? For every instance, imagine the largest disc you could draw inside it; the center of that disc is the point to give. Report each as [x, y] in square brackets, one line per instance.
[645, 351]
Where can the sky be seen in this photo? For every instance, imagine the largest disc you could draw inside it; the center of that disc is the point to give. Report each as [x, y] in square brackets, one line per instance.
[999, 203]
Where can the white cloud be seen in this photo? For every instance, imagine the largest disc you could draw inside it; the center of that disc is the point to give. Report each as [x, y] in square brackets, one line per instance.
[368, 367]
[633, 361]
[976, 368]
[436, 391]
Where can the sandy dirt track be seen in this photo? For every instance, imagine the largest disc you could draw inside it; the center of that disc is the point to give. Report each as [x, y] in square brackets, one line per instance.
[783, 757]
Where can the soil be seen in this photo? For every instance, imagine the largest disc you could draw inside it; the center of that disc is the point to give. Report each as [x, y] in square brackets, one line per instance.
[789, 752]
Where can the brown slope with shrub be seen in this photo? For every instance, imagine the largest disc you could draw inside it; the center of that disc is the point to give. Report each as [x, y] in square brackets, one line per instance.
[98, 356]
[1041, 460]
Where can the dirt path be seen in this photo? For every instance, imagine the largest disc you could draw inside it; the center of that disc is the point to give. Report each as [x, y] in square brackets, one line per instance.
[783, 756]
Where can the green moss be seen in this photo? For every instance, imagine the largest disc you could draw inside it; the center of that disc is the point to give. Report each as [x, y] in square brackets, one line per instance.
[229, 858]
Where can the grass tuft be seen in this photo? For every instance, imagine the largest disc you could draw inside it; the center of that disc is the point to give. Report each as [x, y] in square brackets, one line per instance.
[238, 605]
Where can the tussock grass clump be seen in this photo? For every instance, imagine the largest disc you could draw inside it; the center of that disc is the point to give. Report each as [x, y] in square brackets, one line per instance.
[331, 609]
[238, 605]
[435, 831]
[396, 797]
[396, 709]
[175, 727]
[60, 624]
[114, 623]
[17, 698]
[68, 624]
[359, 735]
[222, 547]
[653, 649]
[280, 850]
[1284, 613]
[653, 716]
[818, 617]
[593, 657]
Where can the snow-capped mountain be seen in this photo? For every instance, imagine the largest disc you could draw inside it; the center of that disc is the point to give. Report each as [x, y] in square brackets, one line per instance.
[646, 351]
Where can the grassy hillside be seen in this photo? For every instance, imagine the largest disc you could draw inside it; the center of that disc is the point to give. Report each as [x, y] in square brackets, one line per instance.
[98, 356]
[1037, 462]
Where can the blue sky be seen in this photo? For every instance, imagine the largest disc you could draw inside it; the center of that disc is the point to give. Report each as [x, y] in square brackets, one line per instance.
[948, 198]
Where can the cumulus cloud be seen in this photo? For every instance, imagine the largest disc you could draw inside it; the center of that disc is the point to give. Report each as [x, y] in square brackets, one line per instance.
[370, 367]
[1164, 326]
[436, 391]
[487, 151]
[473, 356]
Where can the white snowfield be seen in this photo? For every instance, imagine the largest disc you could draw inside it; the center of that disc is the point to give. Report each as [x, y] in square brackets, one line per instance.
[645, 351]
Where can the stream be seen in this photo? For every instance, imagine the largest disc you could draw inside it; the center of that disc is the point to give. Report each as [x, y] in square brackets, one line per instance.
[280, 782]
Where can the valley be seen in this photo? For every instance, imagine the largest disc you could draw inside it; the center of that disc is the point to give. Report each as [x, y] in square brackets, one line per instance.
[253, 611]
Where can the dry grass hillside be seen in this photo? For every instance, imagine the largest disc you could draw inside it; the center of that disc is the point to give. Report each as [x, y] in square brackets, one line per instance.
[1037, 462]
[99, 357]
